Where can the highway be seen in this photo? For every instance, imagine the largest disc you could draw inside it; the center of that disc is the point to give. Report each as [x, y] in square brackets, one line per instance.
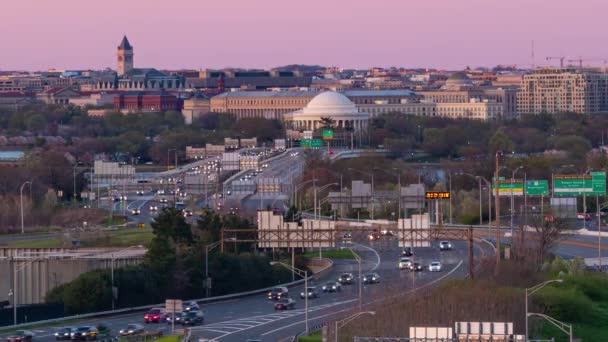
[254, 316]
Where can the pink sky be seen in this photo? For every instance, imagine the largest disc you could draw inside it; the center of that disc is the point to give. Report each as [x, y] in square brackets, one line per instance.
[79, 34]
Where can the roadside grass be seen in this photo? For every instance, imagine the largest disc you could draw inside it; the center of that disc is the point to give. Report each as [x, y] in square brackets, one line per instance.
[313, 337]
[331, 254]
[117, 238]
[170, 338]
[37, 243]
[41, 325]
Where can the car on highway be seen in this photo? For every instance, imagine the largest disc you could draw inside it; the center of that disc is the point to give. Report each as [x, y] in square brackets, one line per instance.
[85, 333]
[277, 293]
[285, 304]
[132, 329]
[155, 315]
[21, 336]
[332, 286]
[178, 318]
[194, 317]
[435, 266]
[407, 252]
[404, 263]
[160, 192]
[310, 292]
[346, 278]
[163, 200]
[139, 192]
[135, 211]
[64, 333]
[445, 246]
[190, 306]
[187, 213]
[374, 236]
[371, 278]
[416, 267]
[583, 216]
[153, 208]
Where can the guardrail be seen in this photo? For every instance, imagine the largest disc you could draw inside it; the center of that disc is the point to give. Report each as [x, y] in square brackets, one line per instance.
[147, 307]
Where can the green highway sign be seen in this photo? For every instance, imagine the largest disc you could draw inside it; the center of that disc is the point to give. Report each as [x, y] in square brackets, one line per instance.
[506, 187]
[574, 185]
[311, 143]
[328, 134]
[537, 187]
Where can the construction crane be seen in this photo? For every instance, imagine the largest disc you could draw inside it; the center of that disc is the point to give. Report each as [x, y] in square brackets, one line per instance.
[580, 61]
[561, 60]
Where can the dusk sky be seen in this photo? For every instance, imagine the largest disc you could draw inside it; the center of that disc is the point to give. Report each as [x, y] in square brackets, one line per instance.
[451, 34]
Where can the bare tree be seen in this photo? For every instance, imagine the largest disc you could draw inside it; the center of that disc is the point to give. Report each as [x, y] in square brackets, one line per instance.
[546, 234]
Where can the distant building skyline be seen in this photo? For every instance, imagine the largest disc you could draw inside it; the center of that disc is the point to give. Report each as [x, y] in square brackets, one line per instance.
[194, 34]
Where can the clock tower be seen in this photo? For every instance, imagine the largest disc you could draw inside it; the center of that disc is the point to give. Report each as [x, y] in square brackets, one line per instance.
[124, 57]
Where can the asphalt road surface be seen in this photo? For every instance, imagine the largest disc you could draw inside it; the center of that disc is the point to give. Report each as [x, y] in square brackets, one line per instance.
[254, 316]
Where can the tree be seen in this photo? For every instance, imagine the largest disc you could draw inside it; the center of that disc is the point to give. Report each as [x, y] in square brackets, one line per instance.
[548, 234]
[327, 122]
[500, 142]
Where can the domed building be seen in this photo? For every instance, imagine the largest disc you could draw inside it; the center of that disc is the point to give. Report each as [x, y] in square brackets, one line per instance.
[458, 81]
[332, 105]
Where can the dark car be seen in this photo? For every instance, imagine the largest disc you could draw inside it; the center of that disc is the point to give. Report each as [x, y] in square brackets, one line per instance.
[346, 278]
[192, 318]
[407, 252]
[85, 333]
[311, 292]
[132, 329]
[332, 286]
[285, 304]
[64, 333]
[154, 315]
[21, 336]
[371, 278]
[178, 318]
[278, 293]
[415, 267]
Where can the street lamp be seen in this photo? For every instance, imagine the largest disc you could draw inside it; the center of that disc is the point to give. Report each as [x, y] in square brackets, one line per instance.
[398, 184]
[512, 198]
[530, 291]
[208, 248]
[372, 176]
[21, 200]
[298, 186]
[566, 328]
[489, 185]
[345, 321]
[303, 274]
[360, 284]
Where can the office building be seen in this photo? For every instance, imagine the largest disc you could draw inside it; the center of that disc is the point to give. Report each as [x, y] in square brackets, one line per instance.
[552, 90]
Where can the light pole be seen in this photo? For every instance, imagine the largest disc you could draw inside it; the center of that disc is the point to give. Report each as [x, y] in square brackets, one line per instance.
[512, 198]
[489, 185]
[298, 186]
[21, 201]
[372, 177]
[303, 274]
[345, 321]
[530, 291]
[497, 208]
[360, 283]
[208, 248]
[566, 328]
[398, 184]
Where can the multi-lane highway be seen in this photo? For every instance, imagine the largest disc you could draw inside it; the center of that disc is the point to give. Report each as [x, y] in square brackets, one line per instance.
[254, 316]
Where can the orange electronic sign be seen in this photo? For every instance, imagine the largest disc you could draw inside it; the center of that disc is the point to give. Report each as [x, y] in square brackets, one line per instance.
[437, 195]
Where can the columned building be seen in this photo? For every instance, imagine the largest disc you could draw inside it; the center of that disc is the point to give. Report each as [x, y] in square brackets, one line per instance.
[330, 105]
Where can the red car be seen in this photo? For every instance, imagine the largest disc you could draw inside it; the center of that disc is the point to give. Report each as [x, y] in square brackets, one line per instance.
[285, 304]
[155, 315]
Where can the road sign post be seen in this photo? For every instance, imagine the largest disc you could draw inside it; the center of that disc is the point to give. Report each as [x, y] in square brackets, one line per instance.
[173, 306]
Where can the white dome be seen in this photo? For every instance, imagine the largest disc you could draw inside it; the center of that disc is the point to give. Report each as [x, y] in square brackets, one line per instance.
[330, 103]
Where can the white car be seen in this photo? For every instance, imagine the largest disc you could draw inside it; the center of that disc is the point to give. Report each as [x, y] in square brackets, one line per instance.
[135, 211]
[153, 208]
[404, 263]
[445, 246]
[160, 192]
[435, 266]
